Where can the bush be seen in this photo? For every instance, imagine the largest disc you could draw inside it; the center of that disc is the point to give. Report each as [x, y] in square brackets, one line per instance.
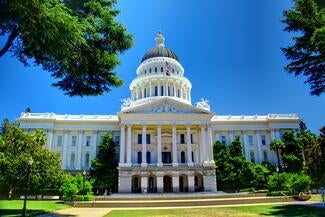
[73, 185]
[294, 182]
[83, 197]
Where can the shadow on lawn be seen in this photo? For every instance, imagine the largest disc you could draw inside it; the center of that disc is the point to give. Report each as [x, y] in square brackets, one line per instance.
[296, 210]
[17, 212]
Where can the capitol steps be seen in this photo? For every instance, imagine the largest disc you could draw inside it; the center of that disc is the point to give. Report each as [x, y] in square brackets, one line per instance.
[165, 200]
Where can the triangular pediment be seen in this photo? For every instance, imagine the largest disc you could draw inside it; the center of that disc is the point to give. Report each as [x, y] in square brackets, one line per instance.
[165, 106]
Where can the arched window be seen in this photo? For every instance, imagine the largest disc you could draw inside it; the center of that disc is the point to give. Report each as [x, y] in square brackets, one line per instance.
[139, 157]
[145, 93]
[87, 160]
[162, 91]
[183, 157]
[148, 157]
[169, 91]
[72, 160]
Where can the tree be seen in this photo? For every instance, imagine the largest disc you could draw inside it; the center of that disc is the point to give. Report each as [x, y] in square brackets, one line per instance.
[77, 41]
[74, 187]
[277, 145]
[307, 54]
[292, 152]
[315, 158]
[104, 166]
[4, 125]
[16, 148]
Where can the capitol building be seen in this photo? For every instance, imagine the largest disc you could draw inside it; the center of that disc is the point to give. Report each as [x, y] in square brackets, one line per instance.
[163, 140]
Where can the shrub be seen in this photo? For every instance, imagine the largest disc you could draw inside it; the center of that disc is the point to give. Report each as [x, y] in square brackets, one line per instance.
[83, 197]
[294, 182]
[73, 185]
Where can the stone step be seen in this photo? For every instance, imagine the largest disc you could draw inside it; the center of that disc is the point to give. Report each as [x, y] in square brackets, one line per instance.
[180, 203]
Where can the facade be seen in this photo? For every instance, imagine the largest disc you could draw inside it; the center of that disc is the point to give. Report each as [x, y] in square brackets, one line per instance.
[164, 142]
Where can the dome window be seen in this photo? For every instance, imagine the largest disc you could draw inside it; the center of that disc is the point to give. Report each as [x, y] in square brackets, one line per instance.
[156, 69]
[161, 69]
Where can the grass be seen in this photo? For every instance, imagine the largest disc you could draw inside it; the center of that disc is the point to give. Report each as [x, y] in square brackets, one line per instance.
[34, 207]
[262, 210]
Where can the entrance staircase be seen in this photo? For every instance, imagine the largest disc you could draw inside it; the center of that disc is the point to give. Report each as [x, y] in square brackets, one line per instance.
[178, 200]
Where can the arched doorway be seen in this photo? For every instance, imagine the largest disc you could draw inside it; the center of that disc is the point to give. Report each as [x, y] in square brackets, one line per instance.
[152, 184]
[183, 183]
[198, 183]
[168, 185]
[136, 184]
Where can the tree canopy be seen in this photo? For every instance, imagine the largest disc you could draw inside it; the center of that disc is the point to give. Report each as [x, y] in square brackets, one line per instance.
[307, 54]
[16, 148]
[77, 41]
[104, 166]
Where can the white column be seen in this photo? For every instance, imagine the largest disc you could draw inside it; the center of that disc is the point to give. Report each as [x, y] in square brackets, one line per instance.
[65, 151]
[144, 184]
[210, 145]
[142, 90]
[94, 146]
[175, 180]
[150, 89]
[191, 183]
[175, 163]
[159, 163]
[144, 147]
[122, 145]
[259, 147]
[181, 86]
[160, 183]
[189, 95]
[175, 89]
[189, 146]
[165, 89]
[159, 88]
[202, 145]
[129, 148]
[49, 139]
[246, 147]
[79, 150]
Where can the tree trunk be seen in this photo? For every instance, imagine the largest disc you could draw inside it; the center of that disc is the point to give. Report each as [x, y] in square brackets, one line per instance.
[277, 154]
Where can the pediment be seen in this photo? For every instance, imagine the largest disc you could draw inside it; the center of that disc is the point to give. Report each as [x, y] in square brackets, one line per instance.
[165, 106]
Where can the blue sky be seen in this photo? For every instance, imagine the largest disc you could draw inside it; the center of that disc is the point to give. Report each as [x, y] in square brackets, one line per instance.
[230, 51]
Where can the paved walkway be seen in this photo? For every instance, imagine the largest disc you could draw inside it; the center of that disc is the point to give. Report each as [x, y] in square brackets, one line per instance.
[99, 212]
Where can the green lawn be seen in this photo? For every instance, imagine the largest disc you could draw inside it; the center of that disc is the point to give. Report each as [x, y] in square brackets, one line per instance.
[34, 207]
[263, 210]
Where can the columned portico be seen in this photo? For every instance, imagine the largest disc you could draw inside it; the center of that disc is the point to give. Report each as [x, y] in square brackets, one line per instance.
[128, 149]
[189, 146]
[159, 162]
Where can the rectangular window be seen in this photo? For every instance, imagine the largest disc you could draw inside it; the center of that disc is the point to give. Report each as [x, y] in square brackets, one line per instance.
[192, 156]
[250, 140]
[162, 91]
[263, 139]
[223, 140]
[265, 157]
[148, 140]
[156, 69]
[150, 70]
[117, 140]
[156, 91]
[59, 142]
[73, 140]
[182, 136]
[139, 138]
[88, 138]
[168, 90]
[161, 69]
[252, 155]
[192, 139]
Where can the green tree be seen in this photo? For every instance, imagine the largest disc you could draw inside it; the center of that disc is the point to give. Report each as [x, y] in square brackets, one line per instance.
[77, 41]
[315, 158]
[292, 152]
[277, 145]
[73, 187]
[4, 125]
[16, 148]
[104, 166]
[221, 156]
[307, 54]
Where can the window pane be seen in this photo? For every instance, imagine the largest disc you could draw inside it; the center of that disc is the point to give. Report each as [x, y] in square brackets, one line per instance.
[139, 138]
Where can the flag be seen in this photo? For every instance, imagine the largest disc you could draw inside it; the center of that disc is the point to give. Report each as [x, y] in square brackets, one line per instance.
[168, 68]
